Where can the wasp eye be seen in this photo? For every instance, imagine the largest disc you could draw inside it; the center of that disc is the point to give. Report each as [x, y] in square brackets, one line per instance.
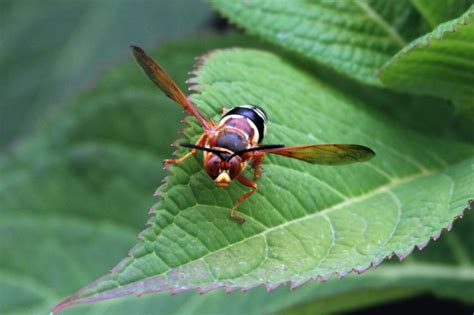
[213, 166]
[235, 166]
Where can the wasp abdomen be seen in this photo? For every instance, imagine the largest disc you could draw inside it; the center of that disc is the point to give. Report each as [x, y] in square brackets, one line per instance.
[255, 114]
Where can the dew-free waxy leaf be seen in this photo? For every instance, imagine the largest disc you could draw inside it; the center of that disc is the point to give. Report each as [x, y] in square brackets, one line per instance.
[305, 222]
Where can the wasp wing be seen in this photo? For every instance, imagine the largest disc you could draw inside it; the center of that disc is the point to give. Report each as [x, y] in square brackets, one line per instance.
[326, 154]
[164, 81]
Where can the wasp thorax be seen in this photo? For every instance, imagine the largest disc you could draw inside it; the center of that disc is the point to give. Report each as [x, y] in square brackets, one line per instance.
[223, 169]
[231, 140]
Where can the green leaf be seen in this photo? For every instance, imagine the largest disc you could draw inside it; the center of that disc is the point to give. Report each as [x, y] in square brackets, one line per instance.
[112, 206]
[90, 174]
[353, 37]
[305, 222]
[438, 11]
[438, 64]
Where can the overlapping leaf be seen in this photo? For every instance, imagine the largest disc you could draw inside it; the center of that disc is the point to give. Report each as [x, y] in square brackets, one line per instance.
[354, 37]
[438, 11]
[438, 64]
[305, 221]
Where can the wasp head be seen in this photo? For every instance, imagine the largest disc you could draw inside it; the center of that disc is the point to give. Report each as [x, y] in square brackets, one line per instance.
[222, 168]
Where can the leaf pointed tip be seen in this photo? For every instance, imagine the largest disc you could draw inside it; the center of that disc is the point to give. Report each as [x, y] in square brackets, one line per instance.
[61, 305]
[402, 255]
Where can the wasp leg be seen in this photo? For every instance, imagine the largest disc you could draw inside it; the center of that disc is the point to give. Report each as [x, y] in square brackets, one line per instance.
[257, 170]
[224, 111]
[249, 183]
[201, 141]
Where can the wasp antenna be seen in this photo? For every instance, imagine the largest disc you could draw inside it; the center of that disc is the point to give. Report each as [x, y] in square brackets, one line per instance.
[197, 147]
[192, 146]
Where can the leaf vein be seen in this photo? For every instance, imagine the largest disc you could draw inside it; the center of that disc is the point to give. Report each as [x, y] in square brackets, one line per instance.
[380, 190]
[374, 16]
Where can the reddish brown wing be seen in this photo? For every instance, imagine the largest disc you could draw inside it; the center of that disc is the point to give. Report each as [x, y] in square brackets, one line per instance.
[163, 80]
[326, 154]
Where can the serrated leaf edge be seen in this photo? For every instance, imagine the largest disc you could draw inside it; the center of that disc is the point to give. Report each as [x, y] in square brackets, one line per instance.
[293, 283]
[427, 39]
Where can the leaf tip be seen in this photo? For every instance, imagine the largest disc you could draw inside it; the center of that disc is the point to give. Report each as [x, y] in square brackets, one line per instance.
[402, 255]
[342, 274]
[248, 287]
[229, 289]
[469, 205]
[271, 286]
[193, 87]
[449, 227]
[322, 278]
[206, 289]
[61, 305]
[436, 236]
[361, 270]
[422, 245]
[298, 283]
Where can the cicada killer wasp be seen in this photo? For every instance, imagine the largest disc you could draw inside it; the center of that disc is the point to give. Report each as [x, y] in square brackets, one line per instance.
[235, 141]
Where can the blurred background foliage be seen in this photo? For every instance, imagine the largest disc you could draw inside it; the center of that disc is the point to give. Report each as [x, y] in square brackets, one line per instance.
[81, 151]
[51, 49]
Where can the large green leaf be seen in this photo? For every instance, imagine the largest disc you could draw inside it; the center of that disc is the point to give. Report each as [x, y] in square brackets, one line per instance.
[305, 222]
[123, 183]
[445, 268]
[438, 64]
[354, 37]
[37, 289]
[85, 176]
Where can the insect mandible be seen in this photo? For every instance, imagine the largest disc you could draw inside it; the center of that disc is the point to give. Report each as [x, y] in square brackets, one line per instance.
[235, 141]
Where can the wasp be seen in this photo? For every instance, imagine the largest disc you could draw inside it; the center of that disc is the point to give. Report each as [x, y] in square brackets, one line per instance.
[234, 142]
